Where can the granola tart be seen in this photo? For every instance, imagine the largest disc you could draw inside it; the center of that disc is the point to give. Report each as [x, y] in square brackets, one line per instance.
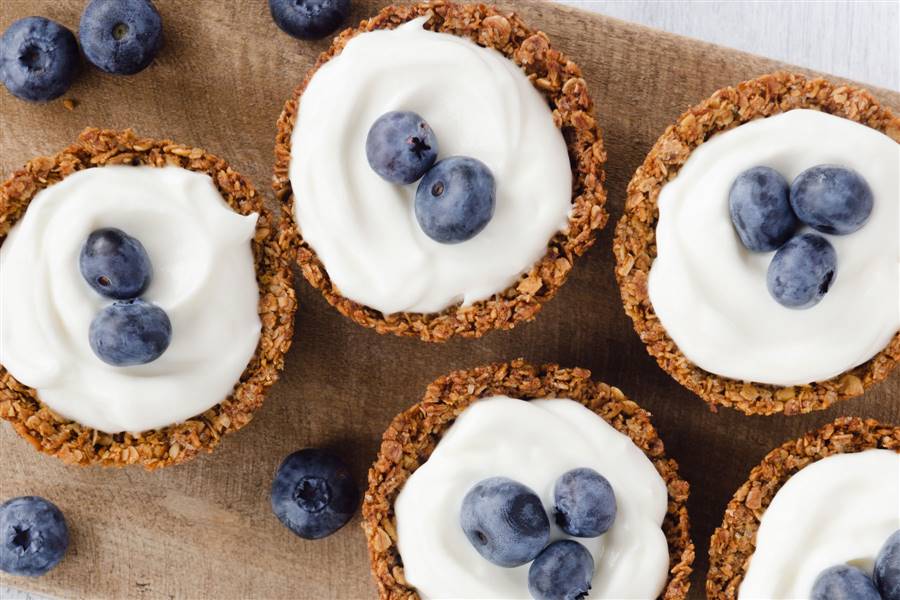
[560, 82]
[635, 246]
[413, 435]
[74, 444]
[734, 542]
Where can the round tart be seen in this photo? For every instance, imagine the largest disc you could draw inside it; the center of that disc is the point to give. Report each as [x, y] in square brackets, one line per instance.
[822, 518]
[414, 434]
[507, 299]
[769, 107]
[267, 334]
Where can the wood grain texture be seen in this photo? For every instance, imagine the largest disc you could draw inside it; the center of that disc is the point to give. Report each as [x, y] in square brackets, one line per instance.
[205, 529]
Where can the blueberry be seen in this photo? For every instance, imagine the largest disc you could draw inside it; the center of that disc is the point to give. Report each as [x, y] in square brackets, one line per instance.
[33, 536]
[455, 199]
[802, 271]
[832, 199]
[584, 503]
[38, 59]
[401, 146]
[120, 36]
[130, 332]
[115, 264]
[760, 209]
[309, 19]
[563, 571]
[313, 493]
[844, 582]
[505, 521]
[887, 568]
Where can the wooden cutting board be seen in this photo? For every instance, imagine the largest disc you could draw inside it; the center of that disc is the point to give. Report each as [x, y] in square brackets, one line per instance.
[205, 529]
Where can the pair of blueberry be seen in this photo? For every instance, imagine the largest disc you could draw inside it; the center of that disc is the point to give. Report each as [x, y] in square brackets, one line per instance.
[506, 523]
[130, 331]
[456, 196]
[33, 536]
[845, 582]
[766, 214]
[39, 57]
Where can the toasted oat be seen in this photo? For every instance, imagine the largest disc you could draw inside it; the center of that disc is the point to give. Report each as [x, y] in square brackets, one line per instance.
[413, 434]
[733, 543]
[561, 83]
[634, 244]
[272, 252]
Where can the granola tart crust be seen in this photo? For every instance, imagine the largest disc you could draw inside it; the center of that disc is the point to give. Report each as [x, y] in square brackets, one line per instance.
[634, 243]
[414, 433]
[561, 83]
[70, 442]
[732, 544]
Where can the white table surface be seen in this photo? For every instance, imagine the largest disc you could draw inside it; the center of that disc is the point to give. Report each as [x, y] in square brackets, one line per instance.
[854, 39]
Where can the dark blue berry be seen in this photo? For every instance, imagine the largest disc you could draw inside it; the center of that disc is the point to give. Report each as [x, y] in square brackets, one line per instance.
[505, 521]
[455, 199]
[33, 536]
[313, 493]
[802, 271]
[115, 264]
[38, 59]
[130, 332]
[401, 147]
[760, 209]
[563, 571]
[887, 568]
[309, 19]
[832, 199]
[120, 36]
[844, 582]
[584, 503]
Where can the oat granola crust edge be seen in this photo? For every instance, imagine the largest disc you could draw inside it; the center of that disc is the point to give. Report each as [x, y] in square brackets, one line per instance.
[272, 252]
[732, 544]
[413, 434]
[634, 244]
[561, 83]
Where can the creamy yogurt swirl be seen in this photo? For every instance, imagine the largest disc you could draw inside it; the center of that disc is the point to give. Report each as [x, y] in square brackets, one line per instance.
[838, 510]
[479, 104]
[534, 443]
[710, 293]
[203, 277]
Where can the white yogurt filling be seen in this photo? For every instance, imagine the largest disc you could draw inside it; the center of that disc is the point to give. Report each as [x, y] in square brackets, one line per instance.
[203, 277]
[479, 104]
[709, 291]
[838, 510]
[534, 443]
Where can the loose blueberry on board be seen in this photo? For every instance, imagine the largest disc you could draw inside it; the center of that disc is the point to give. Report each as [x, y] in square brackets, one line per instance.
[504, 521]
[802, 271]
[38, 59]
[115, 264]
[130, 332]
[562, 571]
[309, 19]
[33, 536]
[120, 37]
[844, 582]
[401, 147]
[760, 209]
[584, 503]
[313, 493]
[832, 199]
[887, 568]
[455, 199]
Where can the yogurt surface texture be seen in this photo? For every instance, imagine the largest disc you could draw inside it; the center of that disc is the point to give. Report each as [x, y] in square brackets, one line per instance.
[479, 104]
[532, 442]
[203, 277]
[838, 510]
[709, 291]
